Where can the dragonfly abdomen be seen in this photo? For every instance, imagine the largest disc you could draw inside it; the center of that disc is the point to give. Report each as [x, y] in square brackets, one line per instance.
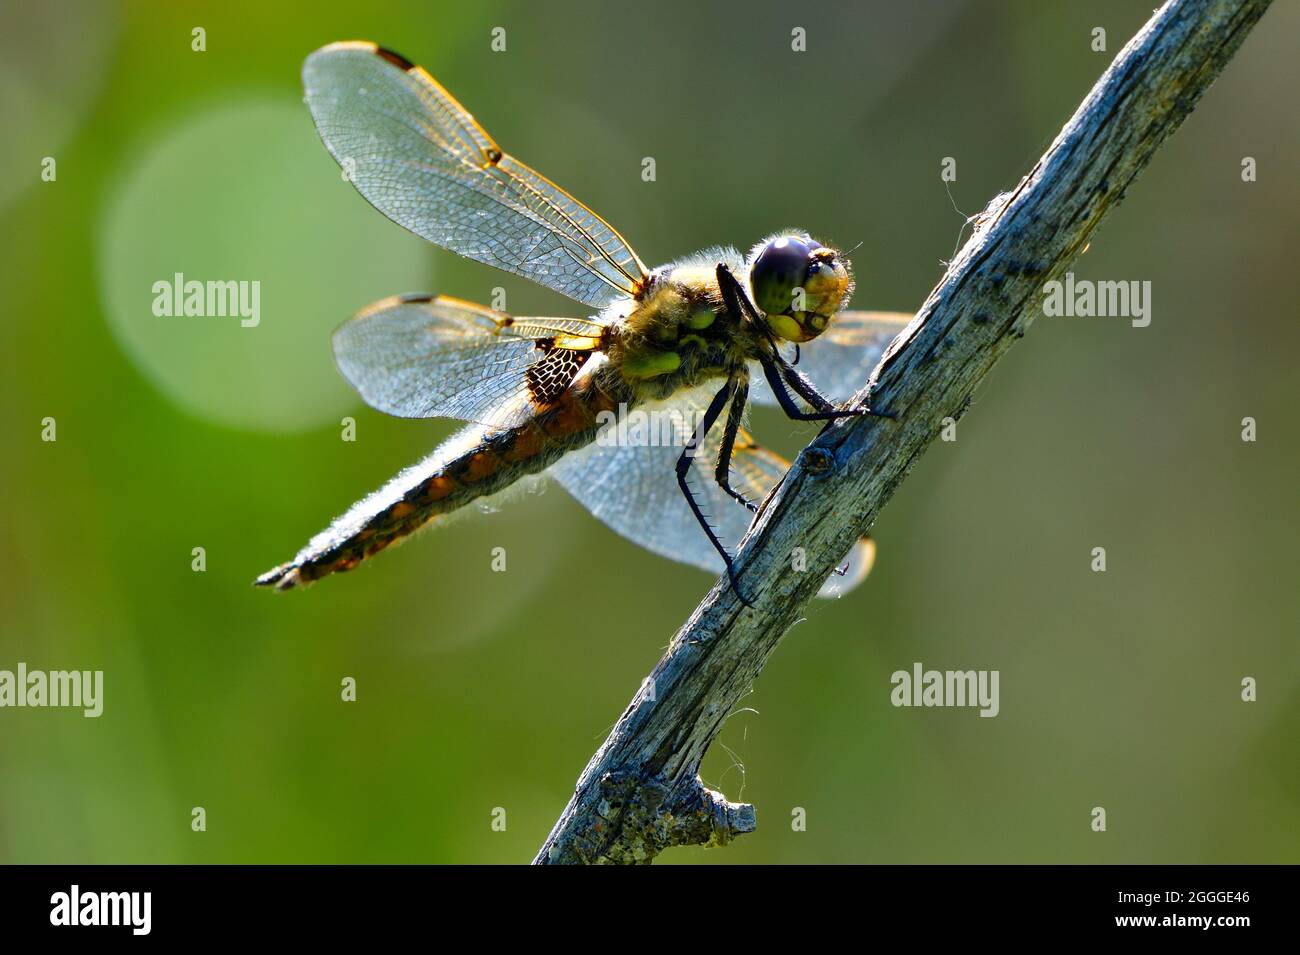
[476, 462]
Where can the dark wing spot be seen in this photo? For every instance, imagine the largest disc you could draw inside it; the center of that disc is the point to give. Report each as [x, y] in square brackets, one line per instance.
[551, 377]
[399, 61]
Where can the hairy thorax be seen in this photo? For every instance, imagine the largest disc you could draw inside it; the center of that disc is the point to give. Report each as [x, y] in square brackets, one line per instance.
[678, 334]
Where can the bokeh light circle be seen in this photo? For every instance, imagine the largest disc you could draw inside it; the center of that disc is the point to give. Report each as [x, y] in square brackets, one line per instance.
[245, 193]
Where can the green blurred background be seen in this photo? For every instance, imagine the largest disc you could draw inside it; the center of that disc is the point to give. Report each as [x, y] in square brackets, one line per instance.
[479, 690]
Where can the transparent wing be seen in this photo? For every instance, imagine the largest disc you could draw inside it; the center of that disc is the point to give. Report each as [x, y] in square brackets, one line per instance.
[422, 160]
[841, 359]
[416, 356]
[632, 486]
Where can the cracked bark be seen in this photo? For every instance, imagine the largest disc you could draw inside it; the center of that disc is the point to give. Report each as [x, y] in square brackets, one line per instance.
[641, 792]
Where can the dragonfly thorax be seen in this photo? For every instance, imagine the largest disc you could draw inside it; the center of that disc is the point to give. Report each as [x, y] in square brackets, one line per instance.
[679, 333]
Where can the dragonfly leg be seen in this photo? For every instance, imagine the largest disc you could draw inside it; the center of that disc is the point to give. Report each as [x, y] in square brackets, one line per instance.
[804, 388]
[809, 393]
[783, 378]
[734, 297]
[825, 410]
[737, 302]
[723, 473]
[777, 370]
[711, 414]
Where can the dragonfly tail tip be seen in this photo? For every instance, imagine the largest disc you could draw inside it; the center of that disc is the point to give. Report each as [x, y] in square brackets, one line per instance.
[284, 577]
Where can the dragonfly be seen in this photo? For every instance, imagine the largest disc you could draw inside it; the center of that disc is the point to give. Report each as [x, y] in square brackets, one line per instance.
[695, 341]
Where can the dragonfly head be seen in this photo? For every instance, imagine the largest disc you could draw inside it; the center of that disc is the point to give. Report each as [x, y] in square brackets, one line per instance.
[798, 284]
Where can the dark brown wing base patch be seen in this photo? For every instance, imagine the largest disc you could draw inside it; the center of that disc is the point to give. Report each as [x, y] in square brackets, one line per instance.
[552, 375]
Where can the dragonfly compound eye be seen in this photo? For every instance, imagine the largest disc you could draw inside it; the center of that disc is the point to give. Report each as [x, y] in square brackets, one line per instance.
[798, 284]
[778, 270]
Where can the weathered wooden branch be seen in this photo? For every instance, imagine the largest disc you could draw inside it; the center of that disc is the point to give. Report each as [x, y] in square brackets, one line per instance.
[641, 792]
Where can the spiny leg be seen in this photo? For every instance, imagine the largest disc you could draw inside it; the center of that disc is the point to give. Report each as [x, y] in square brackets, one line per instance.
[732, 427]
[737, 302]
[734, 297]
[806, 390]
[775, 368]
[683, 469]
[826, 412]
